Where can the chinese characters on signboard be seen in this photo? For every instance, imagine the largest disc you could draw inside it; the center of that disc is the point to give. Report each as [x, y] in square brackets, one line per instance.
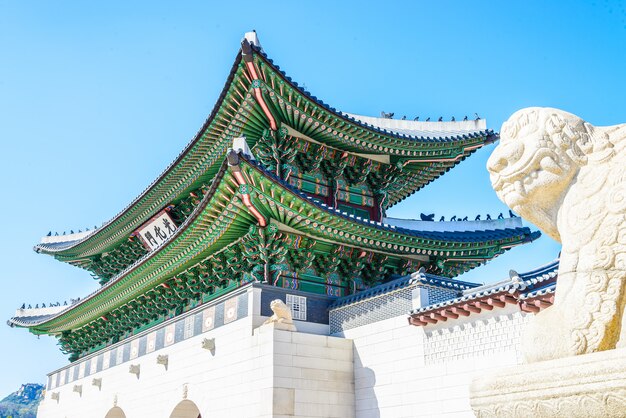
[157, 230]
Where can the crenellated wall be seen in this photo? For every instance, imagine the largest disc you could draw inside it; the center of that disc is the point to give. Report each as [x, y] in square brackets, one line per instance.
[377, 365]
[236, 369]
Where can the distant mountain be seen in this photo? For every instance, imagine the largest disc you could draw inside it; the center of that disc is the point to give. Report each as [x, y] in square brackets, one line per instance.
[23, 403]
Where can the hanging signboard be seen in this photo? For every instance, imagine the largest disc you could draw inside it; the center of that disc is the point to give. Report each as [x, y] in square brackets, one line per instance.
[157, 230]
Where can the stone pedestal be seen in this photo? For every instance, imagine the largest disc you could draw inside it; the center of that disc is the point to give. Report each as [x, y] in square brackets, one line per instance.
[282, 326]
[590, 385]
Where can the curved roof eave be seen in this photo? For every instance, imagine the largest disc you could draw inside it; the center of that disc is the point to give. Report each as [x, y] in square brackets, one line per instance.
[51, 249]
[109, 286]
[508, 229]
[525, 285]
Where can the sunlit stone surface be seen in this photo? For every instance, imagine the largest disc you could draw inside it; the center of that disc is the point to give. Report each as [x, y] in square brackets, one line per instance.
[568, 178]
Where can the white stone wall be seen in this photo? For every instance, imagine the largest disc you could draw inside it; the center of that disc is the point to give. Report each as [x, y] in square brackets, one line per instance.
[408, 371]
[316, 372]
[483, 335]
[386, 368]
[262, 372]
[241, 364]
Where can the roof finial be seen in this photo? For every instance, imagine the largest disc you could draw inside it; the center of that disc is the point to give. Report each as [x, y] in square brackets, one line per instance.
[240, 145]
[253, 39]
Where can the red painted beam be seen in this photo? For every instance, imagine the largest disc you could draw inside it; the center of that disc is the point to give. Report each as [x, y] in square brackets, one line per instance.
[259, 96]
[438, 317]
[471, 308]
[483, 305]
[248, 202]
[428, 319]
[495, 302]
[448, 313]
[460, 311]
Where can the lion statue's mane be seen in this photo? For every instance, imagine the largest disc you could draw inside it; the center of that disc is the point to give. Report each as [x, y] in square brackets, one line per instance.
[569, 178]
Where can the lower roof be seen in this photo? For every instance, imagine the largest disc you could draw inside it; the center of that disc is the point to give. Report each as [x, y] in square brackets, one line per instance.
[221, 218]
[532, 291]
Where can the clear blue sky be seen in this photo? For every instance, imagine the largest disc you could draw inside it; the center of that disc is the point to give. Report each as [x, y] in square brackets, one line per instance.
[97, 98]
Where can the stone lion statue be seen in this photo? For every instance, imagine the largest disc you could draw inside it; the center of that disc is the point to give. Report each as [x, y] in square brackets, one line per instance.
[282, 315]
[569, 178]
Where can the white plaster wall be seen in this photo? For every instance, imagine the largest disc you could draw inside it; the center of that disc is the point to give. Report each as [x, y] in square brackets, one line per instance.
[408, 371]
[263, 372]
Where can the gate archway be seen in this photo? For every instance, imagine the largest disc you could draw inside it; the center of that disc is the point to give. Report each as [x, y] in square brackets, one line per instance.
[186, 409]
[115, 412]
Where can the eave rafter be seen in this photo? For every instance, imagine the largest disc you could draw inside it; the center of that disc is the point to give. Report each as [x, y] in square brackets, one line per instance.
[422, 159]
[476, 306]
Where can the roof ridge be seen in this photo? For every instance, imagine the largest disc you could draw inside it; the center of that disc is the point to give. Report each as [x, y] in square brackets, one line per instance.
[490, 134]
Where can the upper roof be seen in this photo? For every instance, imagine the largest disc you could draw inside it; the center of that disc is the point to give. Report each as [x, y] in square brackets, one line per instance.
[256, 95]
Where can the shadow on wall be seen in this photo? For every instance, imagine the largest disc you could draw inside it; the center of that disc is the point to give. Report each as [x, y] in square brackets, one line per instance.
[365, 395]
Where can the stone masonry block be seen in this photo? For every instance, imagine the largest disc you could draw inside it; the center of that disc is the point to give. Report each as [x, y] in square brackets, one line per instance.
[309, 339]
[283, 401]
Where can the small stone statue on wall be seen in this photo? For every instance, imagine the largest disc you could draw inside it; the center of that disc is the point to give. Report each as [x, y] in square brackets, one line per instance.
[568, 177]
[281, 318]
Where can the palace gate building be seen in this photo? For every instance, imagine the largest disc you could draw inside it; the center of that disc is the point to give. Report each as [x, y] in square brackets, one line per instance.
[280, 196]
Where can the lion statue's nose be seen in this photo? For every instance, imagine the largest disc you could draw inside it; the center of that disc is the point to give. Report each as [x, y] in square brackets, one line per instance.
[505, 154]
[496, 163]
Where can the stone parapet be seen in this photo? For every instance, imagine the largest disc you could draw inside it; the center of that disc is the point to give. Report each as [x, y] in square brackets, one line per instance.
[590, 385]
